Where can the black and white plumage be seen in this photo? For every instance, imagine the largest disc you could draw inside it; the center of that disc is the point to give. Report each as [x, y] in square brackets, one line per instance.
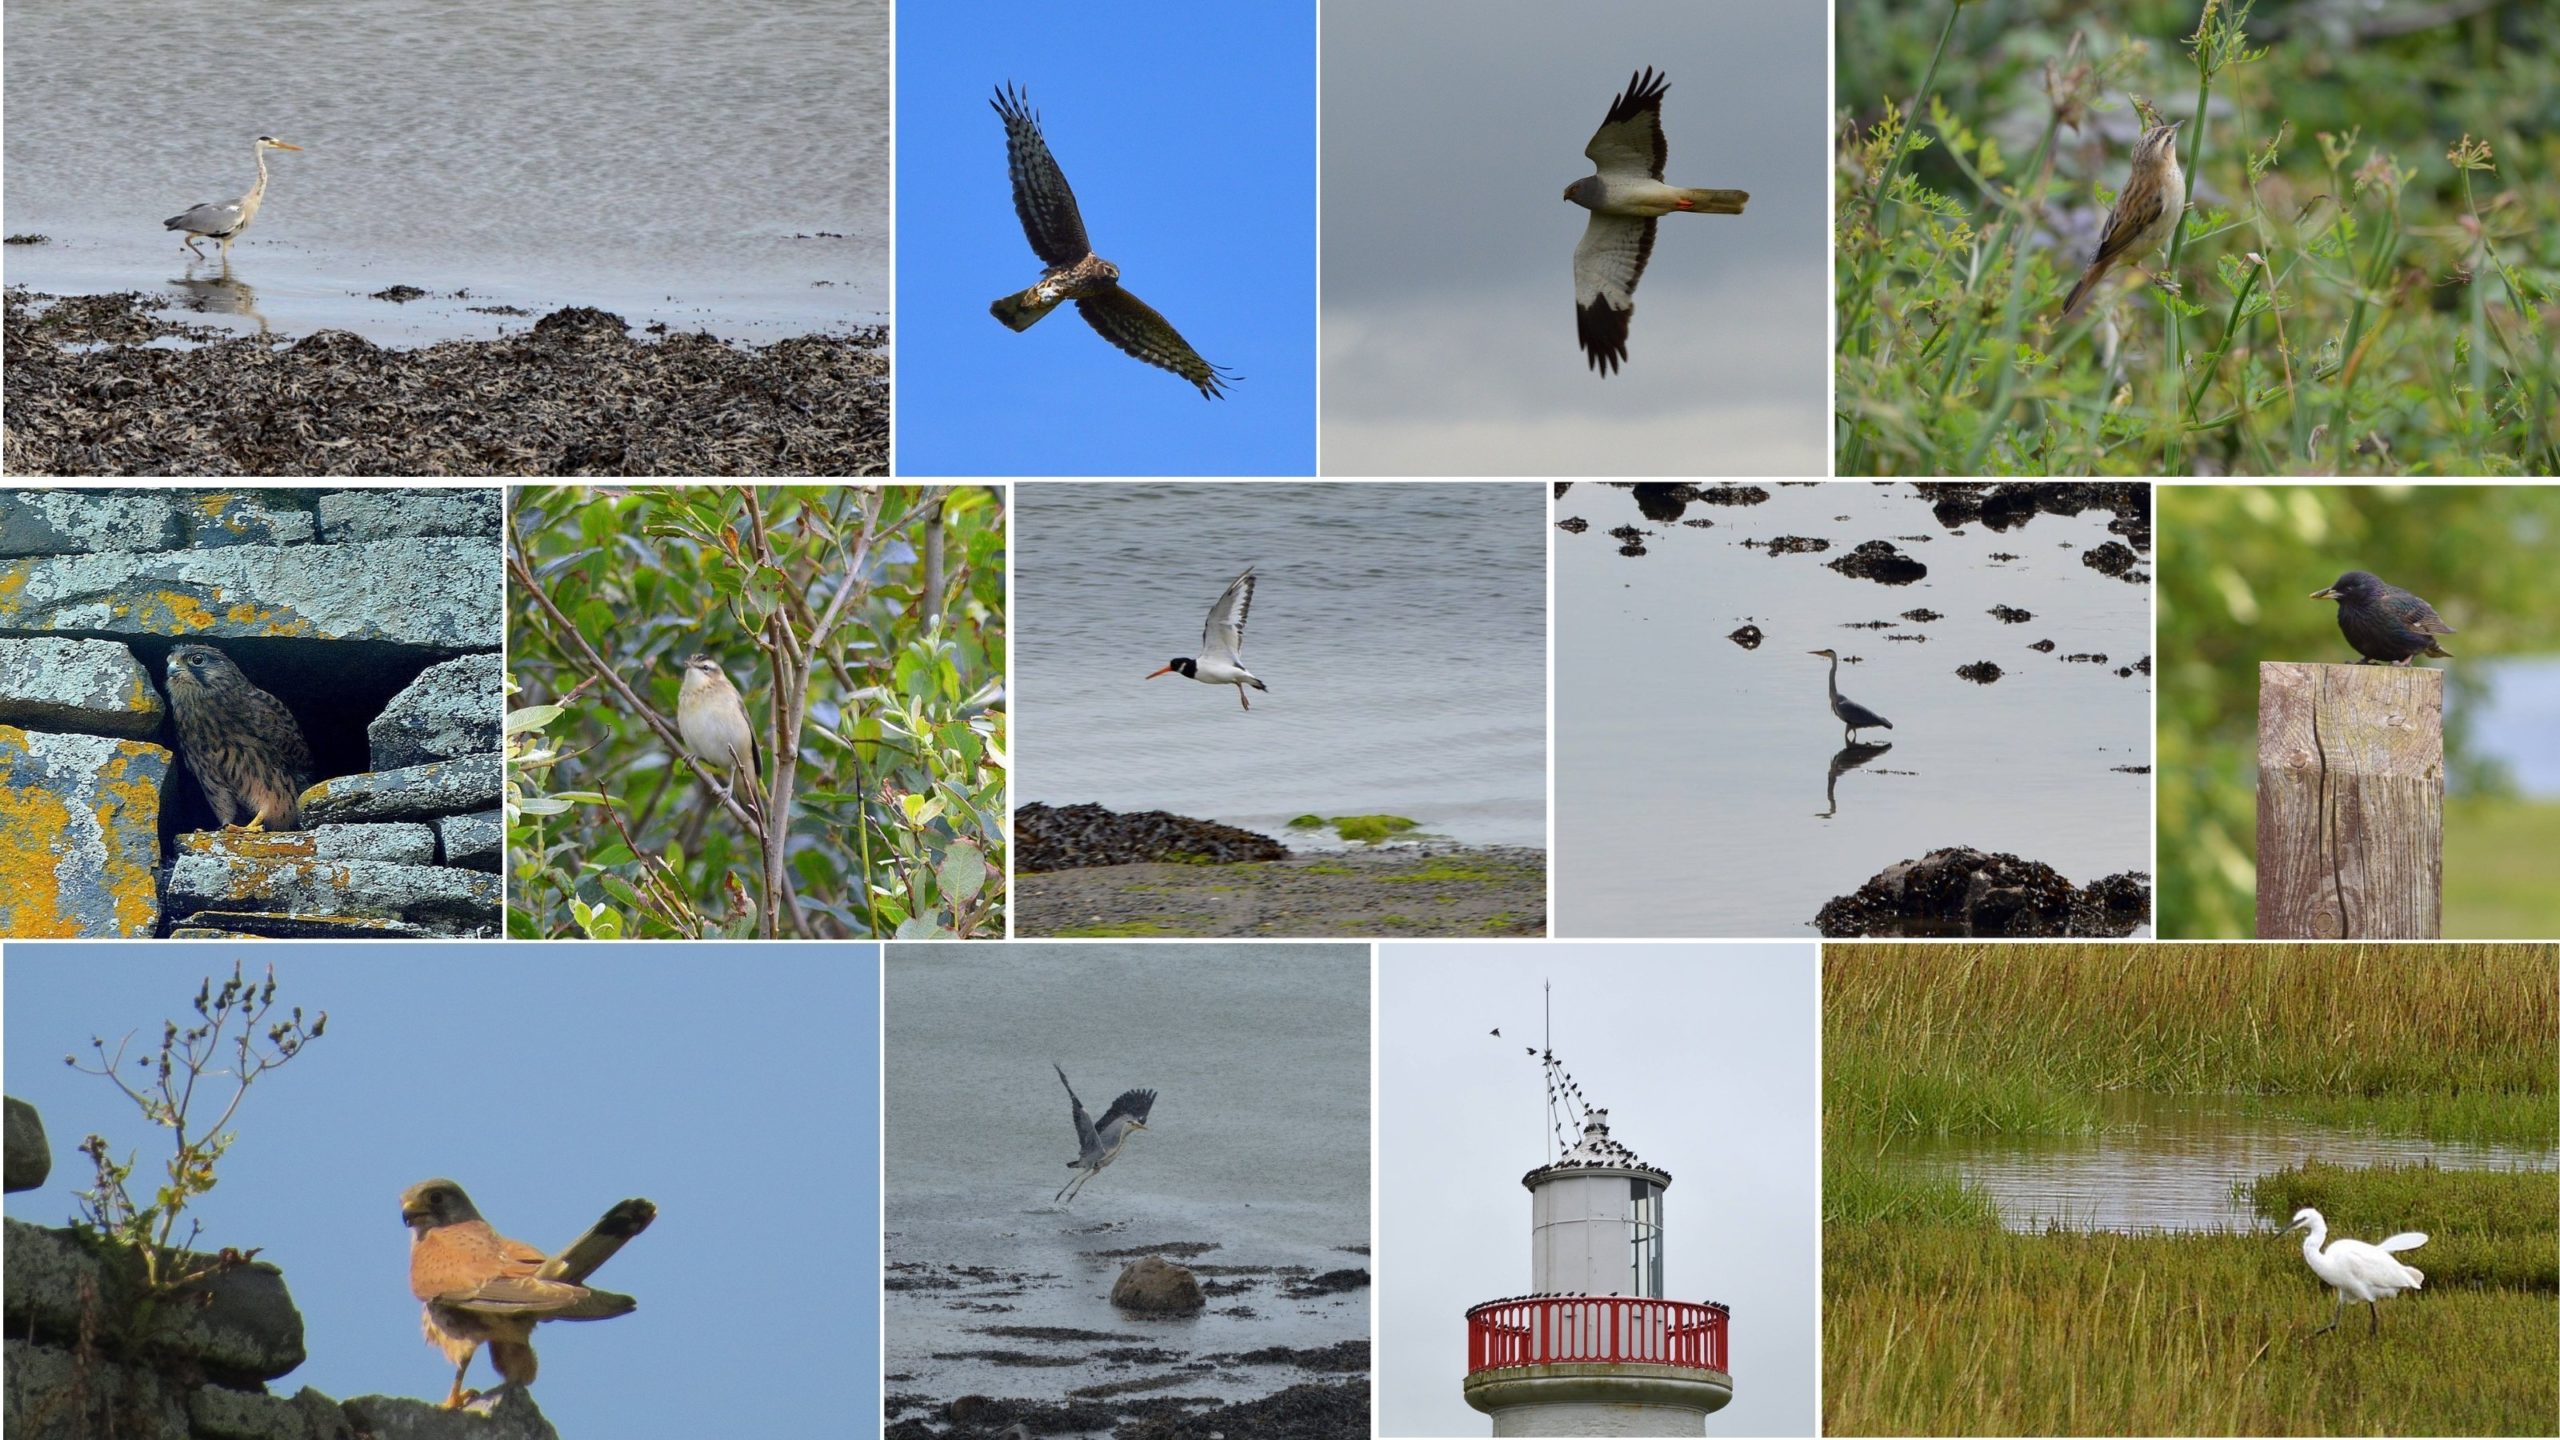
[2385, 623]
[241, 743]
[1099, 1144]
[1054, 225]
[1626, 195]
[223, 220]
[1221, 657]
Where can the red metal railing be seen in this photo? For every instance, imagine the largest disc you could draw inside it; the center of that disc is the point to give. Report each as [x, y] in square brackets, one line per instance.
[1587, 1329]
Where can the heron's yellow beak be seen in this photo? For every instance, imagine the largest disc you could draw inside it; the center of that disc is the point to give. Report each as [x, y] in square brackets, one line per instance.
[283, 146]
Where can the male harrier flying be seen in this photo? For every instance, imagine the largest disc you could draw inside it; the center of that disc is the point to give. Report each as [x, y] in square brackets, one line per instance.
[1055, 228]
[1623, 198]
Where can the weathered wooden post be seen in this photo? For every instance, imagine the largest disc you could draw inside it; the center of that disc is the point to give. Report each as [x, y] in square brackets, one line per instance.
[2350, 802]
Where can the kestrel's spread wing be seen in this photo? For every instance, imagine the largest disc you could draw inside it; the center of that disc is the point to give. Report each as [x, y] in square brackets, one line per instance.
[1223, 635]
[241, 742]
[479, 1287]
[1054, 225]
[1625, 195]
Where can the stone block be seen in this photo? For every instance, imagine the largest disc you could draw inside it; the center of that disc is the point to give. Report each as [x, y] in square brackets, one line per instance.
[477, 842]
[29, 1157]
[413, 792]
[447, 900]
[54, 682]
[71, 522]
[79, 834]
[220, 518]
[393, 514]
[245, 1332]
[439, 593]
[456, 708]
[50, 1397]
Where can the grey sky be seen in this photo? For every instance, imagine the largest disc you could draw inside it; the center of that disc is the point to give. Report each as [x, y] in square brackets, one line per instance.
[1451, 128]
[1705, 1058]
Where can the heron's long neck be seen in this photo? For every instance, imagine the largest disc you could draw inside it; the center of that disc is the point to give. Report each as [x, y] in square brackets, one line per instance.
[259, 190]
[1834, 681]
[2311, 1241]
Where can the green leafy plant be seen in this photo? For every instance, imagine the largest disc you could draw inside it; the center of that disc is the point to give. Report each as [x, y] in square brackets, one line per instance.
[2354, 308]
[177, 1083]
[864, 628]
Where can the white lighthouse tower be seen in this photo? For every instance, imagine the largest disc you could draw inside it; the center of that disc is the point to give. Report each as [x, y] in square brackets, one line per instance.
[1595, 1348]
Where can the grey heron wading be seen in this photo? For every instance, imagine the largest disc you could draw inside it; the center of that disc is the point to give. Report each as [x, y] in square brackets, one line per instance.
[1854, 717]
[1099, 1145]
[223, 220]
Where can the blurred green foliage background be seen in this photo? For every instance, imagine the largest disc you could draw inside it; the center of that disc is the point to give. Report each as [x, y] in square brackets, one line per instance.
[897, 822]
[2236, 564]
[2402, 326]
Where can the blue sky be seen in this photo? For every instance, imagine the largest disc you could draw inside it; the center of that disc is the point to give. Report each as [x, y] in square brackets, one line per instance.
[1188, 133]
[735, 1086]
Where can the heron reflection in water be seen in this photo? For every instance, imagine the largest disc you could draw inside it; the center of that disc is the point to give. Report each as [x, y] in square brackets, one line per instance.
[221, 295]
[1851, 756]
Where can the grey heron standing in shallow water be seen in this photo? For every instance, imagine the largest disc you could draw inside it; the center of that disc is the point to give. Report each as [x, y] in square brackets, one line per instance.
[1854, 717]
[223, 220]
[1099, 1145]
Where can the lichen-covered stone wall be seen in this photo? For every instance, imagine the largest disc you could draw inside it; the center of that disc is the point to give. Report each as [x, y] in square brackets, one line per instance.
[375, 615]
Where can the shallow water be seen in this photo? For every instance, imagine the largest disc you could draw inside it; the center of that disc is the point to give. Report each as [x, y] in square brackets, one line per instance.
[2171, 1161]
[1258, 1142]
[1704, 789]
[670, 162]
[1401, 628]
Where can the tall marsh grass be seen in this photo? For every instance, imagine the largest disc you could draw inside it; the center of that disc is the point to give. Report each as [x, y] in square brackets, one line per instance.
[2455, 1042]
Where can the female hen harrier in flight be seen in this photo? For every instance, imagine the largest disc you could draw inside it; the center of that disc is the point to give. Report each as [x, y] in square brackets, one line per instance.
[1055, 228]
[1624, 198]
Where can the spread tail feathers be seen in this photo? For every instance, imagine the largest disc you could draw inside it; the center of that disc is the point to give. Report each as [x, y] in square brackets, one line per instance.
[1021, 312]
[1714, 202]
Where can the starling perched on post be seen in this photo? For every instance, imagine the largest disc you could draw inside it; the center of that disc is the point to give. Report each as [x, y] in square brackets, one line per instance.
[2385, 622]
[240, 741]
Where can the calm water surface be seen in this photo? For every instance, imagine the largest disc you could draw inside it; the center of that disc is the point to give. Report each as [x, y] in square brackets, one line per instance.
[656, 158]
[1258, 1142]
[1703, 789]
[1401, 628]
[2171, 1162]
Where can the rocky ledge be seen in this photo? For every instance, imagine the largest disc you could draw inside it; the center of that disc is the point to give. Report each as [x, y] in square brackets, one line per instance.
[1965, 892]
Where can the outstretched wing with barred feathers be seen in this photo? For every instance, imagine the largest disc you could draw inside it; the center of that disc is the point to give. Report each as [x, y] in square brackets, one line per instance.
[1134, 326]
[1041, 196]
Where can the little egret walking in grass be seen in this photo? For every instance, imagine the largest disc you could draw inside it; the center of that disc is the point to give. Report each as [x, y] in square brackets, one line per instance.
[2356, 1270]
[1853, 716]
[1099, 1145]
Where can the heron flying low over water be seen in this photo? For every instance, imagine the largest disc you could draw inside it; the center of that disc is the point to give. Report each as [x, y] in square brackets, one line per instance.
[1099, 1145]
[223, 220]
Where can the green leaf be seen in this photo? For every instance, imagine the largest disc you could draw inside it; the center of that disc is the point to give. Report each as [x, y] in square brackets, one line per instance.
[922, 929]
[963, 873]
[532, 717]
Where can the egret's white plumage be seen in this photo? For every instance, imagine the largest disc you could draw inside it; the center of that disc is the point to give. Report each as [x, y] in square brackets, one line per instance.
[1221, 657]
[2355, 1269]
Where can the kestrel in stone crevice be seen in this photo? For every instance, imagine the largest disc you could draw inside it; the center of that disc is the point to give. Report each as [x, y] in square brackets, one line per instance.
[242, 743]
[482, 1288]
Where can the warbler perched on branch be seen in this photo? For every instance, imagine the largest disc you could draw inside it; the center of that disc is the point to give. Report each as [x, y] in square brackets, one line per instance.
[2146, 213]
[713, 722]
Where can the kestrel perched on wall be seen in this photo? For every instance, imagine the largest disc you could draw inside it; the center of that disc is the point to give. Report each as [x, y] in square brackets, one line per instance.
[240, 741]
[482, 1288]
[1055, 228]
